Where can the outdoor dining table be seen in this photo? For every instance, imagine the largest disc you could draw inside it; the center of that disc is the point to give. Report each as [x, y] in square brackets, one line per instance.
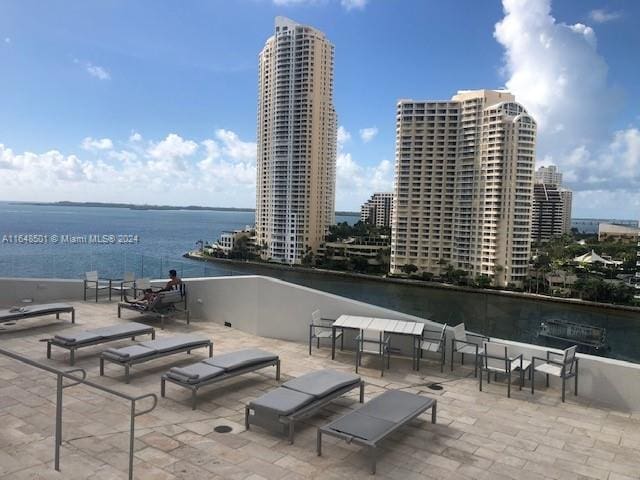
[398, 327]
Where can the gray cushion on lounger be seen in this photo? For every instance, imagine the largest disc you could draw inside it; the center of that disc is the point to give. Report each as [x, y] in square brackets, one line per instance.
[321, 383]
[282, 401]
[171, 343]
[240, 359]
[79, 336]
[128, 353]
[120, 329]
[195, 373]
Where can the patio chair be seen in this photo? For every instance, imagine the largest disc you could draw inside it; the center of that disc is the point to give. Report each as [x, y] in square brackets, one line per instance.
[92, 282]
[127, 284]
[433, 341]
[321, 328]
[140, 285]
[375, 343]
[495, 359]
[563, 365]
[460, 343]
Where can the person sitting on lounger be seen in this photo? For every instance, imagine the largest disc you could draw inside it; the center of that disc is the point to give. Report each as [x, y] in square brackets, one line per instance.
[148, 297]
[173, 283]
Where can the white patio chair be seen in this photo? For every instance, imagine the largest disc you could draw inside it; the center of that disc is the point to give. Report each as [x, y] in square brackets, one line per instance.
[495, 359]
[563, 365]
[321, 328]
[433, 341]
[373, 342]
[462, 343]
[92, 282]
[127, 284]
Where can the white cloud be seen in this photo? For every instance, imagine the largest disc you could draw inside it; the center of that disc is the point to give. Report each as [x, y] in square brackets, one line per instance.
[367, 134]
[97, 71]
[600, 15]
[93, 144]
[555, 70]
[355, 182]
[224, 175]
[135, 137]
[353, 4]
[343, 136]
[7, 40]
[172, 147]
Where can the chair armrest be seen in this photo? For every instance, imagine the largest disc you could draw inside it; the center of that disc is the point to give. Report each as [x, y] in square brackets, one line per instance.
[544, 360]
[484, 337]
[549, 352]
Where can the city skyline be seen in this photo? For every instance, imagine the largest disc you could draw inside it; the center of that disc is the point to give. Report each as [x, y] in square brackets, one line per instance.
[176, 114]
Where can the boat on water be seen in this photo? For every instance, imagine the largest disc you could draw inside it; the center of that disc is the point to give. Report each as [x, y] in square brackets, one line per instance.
[588, 337]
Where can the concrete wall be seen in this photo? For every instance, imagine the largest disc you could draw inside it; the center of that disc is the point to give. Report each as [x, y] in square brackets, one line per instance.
[273, 308]
[40, 290]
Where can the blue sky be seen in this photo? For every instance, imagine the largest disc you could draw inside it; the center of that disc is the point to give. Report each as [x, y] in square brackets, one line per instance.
[155, 101]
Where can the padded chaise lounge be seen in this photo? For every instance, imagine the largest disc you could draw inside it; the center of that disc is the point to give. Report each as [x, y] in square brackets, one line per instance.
[377, 419]
[146, 351]
[18, 313]
[219, 368]
[74, 339]
[299, 398]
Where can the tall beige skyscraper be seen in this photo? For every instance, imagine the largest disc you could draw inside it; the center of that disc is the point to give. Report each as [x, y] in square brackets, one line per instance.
[297, 135]
[464, 185]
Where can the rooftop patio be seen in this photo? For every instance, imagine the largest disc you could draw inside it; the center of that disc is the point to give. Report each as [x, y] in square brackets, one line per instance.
[478, 434]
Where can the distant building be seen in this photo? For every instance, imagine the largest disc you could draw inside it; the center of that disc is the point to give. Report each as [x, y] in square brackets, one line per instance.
[590, 225]
[548, 213]
[297, 135]
[549, 176]
[551, 205]
[464, 185]
[567, 205]
[229, 238]
[593, 257]
[369, 248]
[377, 210]
[608, 231]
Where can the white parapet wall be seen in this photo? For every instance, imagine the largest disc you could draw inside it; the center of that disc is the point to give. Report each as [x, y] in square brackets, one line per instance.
[273, 308]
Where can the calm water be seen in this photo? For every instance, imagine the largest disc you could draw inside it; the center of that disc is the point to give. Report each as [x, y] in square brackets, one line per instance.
[165, 235]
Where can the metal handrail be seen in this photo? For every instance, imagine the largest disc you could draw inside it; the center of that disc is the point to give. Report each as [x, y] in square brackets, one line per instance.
[61, 374]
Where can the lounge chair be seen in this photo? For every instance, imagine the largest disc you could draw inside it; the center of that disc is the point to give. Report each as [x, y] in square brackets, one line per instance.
[299, 398]
[377, 419]
[164, 305]
[19, 313]
[218, 369]
[74, 339]
[146, 351]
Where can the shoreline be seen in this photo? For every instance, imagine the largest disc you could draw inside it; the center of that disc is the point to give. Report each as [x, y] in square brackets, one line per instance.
[417, 283]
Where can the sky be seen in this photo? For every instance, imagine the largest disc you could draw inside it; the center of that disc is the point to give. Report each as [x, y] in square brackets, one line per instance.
[154, 101]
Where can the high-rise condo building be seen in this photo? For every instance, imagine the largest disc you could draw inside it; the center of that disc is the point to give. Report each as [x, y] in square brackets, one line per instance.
[549, 175]
[548, 213]
[297, 133]
[464, 186]
[377, 210]
[551, 205]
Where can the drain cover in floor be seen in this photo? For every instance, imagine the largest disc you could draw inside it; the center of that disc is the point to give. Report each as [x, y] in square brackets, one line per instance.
[222, 429]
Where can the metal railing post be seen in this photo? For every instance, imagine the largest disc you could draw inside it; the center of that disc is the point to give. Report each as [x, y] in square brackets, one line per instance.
[58, 439]
[132, 438]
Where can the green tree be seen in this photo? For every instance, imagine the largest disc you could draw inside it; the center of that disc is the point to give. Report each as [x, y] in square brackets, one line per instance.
[359, 264]
[409, 268]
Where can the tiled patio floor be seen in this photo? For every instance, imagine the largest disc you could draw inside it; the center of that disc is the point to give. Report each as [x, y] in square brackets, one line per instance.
[478, 435]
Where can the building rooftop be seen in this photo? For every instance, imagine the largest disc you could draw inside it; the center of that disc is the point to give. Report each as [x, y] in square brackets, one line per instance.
[478, 434]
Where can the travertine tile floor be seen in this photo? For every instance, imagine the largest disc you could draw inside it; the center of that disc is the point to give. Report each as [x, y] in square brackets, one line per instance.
[478, 435]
